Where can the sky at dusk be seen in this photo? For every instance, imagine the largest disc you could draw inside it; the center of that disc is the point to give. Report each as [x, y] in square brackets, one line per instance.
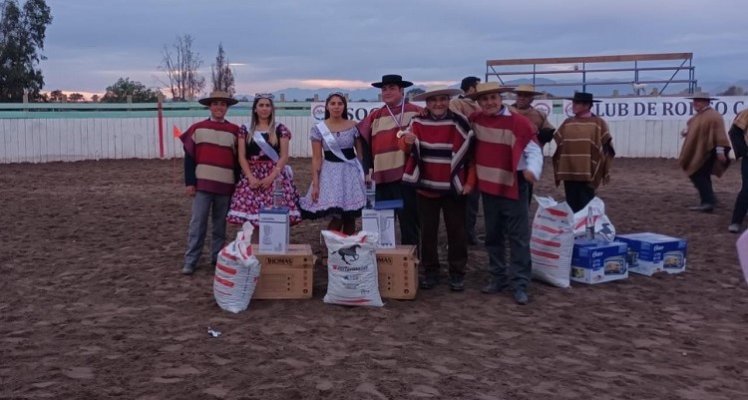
[349, 44]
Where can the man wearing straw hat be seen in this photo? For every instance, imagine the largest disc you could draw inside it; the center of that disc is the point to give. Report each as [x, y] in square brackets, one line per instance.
[439, 145]
[465, 106]
[209, 164]
[508, 159]
[584, 152]
[523, 105]
[705, 149]
[379, 130]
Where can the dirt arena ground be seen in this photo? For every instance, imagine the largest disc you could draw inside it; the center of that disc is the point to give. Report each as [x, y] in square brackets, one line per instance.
[92, 306]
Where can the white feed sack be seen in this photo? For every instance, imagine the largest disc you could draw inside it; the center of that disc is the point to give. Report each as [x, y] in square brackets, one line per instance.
[352, 269]
[237, 271]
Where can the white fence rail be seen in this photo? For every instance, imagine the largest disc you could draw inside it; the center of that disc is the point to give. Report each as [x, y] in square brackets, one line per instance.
[70, 139]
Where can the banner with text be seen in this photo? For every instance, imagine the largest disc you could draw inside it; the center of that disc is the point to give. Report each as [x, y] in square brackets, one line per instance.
[612, 109]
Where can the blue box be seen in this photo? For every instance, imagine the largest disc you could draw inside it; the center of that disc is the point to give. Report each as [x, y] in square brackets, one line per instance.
[652, 252]
[597, 261]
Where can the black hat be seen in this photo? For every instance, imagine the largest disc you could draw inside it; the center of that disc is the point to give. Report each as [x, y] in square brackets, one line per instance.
[582, 97]
[220, 96]
[392, 80]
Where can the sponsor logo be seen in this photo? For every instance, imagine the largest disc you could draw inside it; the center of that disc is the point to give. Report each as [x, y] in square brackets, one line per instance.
[280, 260]
[384, 259]
[318, 112]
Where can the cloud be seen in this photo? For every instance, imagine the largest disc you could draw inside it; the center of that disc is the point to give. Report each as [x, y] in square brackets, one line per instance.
[317, 43]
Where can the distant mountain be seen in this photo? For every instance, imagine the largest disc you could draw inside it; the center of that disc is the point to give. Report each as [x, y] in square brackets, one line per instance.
[599, 88]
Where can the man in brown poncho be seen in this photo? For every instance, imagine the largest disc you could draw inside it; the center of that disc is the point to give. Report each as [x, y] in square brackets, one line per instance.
[704, 152]
[523, 105]
[584, 152]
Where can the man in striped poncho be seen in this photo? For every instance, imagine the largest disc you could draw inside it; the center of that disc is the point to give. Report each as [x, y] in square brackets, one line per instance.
[439, 144]
[209, 164]
[584, 152]
[508, 159]
[379, 131]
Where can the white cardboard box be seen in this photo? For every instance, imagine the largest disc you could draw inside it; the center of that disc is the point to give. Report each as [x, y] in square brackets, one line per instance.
[381, 222]
[274, 231]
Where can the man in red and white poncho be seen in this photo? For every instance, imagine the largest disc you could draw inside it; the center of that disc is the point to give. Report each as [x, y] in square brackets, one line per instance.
[508, 159]
[439, 145]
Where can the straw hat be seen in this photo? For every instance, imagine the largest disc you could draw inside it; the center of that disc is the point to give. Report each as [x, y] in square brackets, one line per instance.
[437, 91]
[701, 96]
[526, 88]
[488, 88]
[218, 95]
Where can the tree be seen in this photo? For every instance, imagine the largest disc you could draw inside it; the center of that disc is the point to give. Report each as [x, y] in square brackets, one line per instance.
[22, 33]
[95, 98]
[414, 92]
[118, 92]
[733, 91]
[56, 96]
[76, 97]
[181, 67]
[223, 78]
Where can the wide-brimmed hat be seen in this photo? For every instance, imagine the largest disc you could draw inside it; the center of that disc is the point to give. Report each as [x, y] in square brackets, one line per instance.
[526, 88]
[437, 91]
[488, 88]
[218, 95]
[583, 97]
[701, 96]
[392, 80]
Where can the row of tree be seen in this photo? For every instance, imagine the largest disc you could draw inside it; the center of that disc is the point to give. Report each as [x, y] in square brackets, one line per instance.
[180, 63]
[22, 33]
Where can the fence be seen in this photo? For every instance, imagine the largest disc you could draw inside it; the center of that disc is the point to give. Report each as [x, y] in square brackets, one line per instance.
[39, 133]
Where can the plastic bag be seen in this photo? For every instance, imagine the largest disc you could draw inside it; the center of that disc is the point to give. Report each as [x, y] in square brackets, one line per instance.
[595, 212]
[237, 272]
[352, 277]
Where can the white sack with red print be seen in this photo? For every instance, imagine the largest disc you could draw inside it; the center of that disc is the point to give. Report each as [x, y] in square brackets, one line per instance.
[237, 271]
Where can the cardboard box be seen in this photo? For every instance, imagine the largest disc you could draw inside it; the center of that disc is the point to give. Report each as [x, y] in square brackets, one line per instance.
[398, 272]
[652, 252]
[286, 276]
[274, 230]
[381, 222]
[381, 219]
[596, 261]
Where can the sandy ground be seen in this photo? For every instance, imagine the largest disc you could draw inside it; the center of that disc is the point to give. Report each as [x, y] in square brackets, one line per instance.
[92, 306]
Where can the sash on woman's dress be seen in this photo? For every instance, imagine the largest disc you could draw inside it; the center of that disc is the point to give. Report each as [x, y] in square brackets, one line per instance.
[270, 151]
[334, 147]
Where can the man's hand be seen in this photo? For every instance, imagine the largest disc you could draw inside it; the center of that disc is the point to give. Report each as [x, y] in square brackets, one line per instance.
[190, 191]
[466, 189]
[409, 138]
[529, 176]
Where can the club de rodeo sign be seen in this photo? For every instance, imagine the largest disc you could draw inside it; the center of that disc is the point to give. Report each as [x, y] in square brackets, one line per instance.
[612, 109]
